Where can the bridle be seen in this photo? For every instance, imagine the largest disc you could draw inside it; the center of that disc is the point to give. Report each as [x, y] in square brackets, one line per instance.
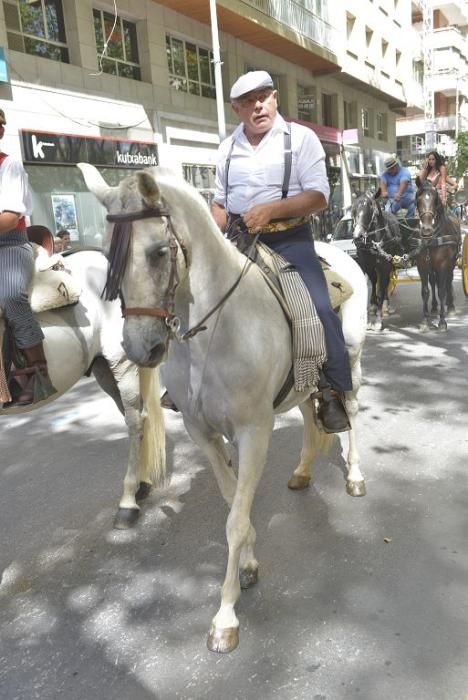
[369, 231]
[118, 256]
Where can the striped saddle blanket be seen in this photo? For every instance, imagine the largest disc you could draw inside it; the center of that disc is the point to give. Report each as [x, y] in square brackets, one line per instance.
[308, 339]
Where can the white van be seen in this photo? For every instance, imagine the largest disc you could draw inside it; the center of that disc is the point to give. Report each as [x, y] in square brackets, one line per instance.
[342, 236]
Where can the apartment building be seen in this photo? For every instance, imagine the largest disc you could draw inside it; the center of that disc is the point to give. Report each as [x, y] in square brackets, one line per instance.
[448, 83]
[133, 88]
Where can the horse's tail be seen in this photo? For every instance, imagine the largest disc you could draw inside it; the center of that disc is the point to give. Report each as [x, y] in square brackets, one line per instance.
[153, 446]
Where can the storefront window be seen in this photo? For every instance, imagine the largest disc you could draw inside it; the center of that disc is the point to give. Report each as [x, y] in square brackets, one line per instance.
[306, 103]
[61, 200]
[202, 177]
[121, 57]
[36, 27]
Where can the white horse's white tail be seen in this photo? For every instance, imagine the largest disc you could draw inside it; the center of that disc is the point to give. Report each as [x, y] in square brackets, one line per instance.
[153, 446]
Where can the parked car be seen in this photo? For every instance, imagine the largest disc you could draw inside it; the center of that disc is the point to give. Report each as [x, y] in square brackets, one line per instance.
[342, 236]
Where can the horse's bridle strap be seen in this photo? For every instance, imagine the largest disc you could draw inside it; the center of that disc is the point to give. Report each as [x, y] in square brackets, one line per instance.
[145, 311]
[149, 213]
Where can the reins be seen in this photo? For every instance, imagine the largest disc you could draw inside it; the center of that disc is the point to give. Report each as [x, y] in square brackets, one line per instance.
[118, 257]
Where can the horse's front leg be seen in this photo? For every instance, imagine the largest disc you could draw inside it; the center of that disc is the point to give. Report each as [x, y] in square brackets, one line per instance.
[442, 281]
[252, 446]
[433, 283]
[143, 417]
[425, 324]
[217, 452]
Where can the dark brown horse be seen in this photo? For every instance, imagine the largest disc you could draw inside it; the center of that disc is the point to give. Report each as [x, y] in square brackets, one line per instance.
[377, 237]
[435, 251]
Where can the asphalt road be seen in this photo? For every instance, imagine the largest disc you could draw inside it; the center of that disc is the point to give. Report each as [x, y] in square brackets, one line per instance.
[357, 598]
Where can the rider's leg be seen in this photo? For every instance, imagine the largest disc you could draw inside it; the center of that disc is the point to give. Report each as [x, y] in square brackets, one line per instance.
[409, 203]
[16, 262]
[297, 247]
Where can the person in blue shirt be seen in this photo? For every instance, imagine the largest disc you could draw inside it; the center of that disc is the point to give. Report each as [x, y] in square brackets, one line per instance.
[397, 187]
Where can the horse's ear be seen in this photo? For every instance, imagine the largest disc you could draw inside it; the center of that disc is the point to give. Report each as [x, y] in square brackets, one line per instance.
[148, 188]
[95, 182]
[377, 193]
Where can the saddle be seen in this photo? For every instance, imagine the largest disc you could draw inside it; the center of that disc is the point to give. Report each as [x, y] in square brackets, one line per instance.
[52, 287]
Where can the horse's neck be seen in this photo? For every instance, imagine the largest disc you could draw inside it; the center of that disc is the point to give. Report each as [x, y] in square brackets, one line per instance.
[214, 263]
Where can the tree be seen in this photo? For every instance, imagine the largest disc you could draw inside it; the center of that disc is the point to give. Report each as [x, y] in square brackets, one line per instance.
[459, 167]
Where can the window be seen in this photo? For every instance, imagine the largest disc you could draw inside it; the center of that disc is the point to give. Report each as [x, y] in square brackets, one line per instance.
[121, 57]
[350, 20]
[36, 27]
[329, 103]
[366, 122]
[418, 71]
[202, 177]
[306, 103]
[350, 115]
[190, 67]
[381, 123]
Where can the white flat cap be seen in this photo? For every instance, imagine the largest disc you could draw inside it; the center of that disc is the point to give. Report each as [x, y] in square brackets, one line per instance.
[253, 80]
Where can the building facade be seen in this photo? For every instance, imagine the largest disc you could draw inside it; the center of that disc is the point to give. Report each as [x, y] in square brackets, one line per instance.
[447, 83]
[136, 88]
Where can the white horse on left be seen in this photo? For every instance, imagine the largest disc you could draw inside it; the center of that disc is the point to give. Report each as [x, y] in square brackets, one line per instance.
[87, 337]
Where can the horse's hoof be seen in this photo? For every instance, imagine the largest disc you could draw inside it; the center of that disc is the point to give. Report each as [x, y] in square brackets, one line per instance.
[451, 313]
[297, 482]
[125, 518]
[442, 326]
[424, 327]
[144, 491]
[356, 488]
[223, 641]
[248, 577]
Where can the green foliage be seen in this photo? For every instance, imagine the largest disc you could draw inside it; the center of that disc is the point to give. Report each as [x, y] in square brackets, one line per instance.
[460, 166]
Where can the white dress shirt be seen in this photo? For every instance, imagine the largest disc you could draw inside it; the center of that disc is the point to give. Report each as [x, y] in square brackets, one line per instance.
[15, 194]
[256, 174]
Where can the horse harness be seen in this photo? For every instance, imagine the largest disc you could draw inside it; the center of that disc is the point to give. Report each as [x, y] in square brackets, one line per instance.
[376, 247]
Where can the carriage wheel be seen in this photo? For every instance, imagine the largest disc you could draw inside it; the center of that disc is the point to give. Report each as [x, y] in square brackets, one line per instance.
[393, 282]
[465, 265]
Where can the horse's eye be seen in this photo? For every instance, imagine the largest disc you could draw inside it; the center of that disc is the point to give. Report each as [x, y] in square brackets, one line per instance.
[156, 252]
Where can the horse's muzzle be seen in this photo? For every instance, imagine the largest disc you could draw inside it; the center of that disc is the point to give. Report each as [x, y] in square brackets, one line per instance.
[144, 351]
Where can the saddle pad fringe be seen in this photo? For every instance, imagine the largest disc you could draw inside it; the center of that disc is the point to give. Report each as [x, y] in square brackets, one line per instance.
[309, 349]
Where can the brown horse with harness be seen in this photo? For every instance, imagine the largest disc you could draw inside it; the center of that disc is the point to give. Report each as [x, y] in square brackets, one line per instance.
[435, 251]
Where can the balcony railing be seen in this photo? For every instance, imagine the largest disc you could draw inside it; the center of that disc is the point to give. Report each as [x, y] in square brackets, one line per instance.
[293, 15]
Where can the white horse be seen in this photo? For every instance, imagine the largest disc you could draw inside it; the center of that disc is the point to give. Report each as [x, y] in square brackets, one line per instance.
[88, 336]
[224, 379]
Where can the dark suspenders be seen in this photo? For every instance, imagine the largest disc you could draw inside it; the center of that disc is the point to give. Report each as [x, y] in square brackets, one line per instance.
[287, 165]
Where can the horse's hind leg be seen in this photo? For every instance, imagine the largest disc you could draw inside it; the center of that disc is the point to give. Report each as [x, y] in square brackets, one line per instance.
[355, 484]
[313, 442]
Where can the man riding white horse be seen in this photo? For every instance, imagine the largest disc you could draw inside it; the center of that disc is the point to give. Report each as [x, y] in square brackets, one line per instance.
[271, 175]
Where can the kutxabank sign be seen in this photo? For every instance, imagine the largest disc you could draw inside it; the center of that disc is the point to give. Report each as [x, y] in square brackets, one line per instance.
[67, 149]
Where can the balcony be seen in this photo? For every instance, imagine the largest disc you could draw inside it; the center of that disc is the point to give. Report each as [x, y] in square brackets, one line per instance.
[449, 38]
[285, 29]
[456, 11]
[451, 82]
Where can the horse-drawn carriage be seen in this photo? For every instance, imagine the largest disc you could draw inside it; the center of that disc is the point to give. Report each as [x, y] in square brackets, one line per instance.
[425, 249]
